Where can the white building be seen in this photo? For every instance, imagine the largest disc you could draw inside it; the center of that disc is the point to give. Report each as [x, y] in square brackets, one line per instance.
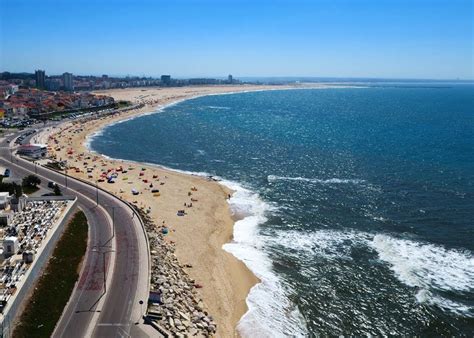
[33, 150]
[4, 200]
[10, 246]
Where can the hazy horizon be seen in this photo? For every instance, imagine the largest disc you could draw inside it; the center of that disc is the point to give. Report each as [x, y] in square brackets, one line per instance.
[428, 40]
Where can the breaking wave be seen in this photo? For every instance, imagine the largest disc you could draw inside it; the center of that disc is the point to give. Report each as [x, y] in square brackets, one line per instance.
[433, 270]
[273, 178]
[270, 313]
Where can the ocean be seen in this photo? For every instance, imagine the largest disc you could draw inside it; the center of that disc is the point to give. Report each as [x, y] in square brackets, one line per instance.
[357, 204]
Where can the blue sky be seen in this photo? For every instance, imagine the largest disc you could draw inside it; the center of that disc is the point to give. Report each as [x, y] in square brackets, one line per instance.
[322, 38]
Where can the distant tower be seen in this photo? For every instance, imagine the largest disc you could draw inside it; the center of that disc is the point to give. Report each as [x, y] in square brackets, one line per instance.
[40, 79]
[166, 80]
[230, 79]
[68, 80]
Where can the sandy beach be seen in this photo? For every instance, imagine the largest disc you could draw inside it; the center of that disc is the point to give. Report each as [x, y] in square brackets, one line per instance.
[199, 235]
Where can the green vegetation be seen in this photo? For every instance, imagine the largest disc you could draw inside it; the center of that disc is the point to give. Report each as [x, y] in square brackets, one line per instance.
[55, 286]
[12, 188]
[57, 190]
[30, 184]
[65, 113]
[54, 166]
[122, 104]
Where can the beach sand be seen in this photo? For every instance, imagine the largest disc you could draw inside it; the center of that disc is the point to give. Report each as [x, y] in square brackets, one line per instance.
[207, 225]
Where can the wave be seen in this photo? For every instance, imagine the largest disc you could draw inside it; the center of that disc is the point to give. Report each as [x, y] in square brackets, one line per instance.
[90, 138]
[330, 244]
[218, 108]
[270, 313]
[432, 269]
[273, 178]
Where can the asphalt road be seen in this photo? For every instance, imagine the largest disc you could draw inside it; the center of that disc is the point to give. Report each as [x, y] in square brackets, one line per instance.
[115, 273]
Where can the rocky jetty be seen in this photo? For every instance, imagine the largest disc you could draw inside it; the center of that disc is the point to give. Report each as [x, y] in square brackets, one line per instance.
[182, 312]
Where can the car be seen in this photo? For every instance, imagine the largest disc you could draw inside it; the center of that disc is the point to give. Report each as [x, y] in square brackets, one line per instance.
[6, 173]
[51, 185]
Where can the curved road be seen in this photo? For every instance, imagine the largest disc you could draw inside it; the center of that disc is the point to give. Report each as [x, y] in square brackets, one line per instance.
[115, 273]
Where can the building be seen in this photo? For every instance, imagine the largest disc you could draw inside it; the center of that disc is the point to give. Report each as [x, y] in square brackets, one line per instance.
[52, 85]
[230, 79]
[6, 217]
[4, 200]
[68, 81]
[166, 80]
[33, 150]
[40, 76]
[10, 246]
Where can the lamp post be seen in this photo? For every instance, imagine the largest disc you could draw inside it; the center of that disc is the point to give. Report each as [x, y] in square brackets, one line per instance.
[113, 222]
[96, 192]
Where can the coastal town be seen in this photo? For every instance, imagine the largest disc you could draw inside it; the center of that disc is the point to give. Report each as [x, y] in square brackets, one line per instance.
[39, 96]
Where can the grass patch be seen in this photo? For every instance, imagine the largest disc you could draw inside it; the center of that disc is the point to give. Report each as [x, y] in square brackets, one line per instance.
[123, 104]
[55, 286]
[30, 190]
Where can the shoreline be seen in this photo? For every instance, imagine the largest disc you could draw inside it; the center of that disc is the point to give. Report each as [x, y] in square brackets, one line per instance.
[228, 282]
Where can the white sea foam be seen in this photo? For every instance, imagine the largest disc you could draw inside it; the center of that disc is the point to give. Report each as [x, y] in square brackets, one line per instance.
[270, 313]
[273, 178]
[218, 108]
[89, 138]
[330, 244]
[430, 268]
[426, 265]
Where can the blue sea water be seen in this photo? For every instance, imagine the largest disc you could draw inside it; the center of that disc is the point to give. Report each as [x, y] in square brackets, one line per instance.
[356, 204]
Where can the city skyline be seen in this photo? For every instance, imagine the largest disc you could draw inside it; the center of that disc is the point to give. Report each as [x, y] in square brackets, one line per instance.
[340, 39]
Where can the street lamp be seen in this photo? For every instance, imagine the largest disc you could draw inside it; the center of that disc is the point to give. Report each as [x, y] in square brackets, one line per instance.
[113, 222]
[96, 192]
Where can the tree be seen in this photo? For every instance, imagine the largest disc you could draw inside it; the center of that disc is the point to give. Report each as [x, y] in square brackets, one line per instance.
[18, 191]
[12, 188]
[31, 181]
[57, 190]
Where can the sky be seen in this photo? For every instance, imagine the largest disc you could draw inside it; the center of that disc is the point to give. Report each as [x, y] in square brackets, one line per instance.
[424, 39]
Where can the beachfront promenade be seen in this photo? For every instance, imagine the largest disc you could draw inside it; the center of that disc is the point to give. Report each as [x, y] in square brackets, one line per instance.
[115, 275]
